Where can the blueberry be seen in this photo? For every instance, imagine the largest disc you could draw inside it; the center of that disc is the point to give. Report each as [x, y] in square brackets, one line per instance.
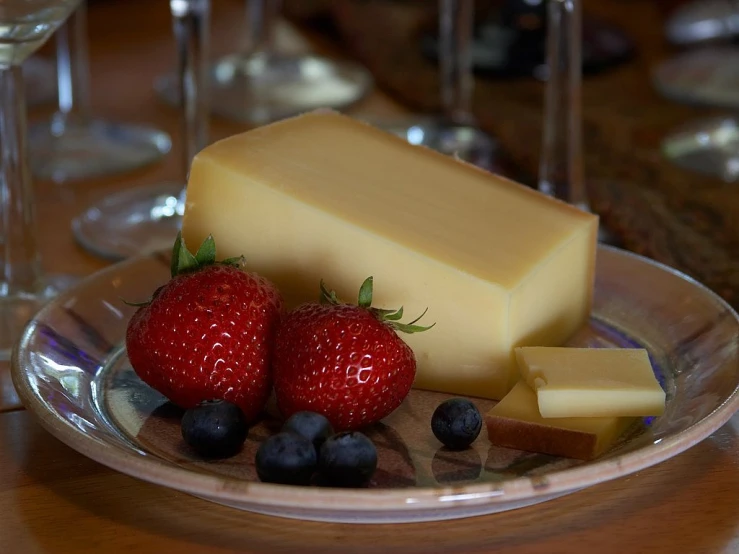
[347, 459]
[286, 458]
[215, 428]
[456, 423]
[314, 427]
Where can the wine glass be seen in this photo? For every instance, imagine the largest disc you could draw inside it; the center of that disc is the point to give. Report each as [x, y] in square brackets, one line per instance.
[703, 76]
[561, 162]
[709, 146]
[146, 219]
[561, 172]
[75, 145]
[454, 132]
[24, 26]
[261, 84]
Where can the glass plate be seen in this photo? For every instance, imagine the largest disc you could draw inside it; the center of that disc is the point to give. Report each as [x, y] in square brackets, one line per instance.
[70, 369]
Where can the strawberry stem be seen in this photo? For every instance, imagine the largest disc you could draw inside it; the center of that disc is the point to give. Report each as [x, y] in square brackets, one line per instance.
[390, 317]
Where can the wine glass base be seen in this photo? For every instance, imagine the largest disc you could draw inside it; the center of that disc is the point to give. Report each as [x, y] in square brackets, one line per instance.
[708, 146]
[466, 142]
[137, 221]
[39, 78]
[97, 148]
[262, 88]
[17, 310]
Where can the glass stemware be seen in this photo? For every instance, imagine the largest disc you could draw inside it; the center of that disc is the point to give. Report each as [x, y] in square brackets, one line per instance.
[75, 145]
[261, 84]
[709, 146]
[147, 218]
[561, 167]
[704, 77]
[24, 26]
[561, 162]
[454, 132]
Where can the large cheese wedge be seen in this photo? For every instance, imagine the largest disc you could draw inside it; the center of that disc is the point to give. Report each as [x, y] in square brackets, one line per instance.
[592, 382]
[322, 196]
[514, 422]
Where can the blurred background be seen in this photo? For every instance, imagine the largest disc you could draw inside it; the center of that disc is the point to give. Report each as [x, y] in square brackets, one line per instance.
[660, 85]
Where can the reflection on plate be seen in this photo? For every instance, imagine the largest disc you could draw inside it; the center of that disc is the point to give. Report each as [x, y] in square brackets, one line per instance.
[70, 369]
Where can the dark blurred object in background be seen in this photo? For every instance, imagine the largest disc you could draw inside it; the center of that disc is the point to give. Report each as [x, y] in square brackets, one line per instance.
[317, 13]
[510, 42]
[305, 9]
[310, 9]
[509, 39]
[314, 13]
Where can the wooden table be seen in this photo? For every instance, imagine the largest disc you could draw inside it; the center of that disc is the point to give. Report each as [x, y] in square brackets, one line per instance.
[55, 500]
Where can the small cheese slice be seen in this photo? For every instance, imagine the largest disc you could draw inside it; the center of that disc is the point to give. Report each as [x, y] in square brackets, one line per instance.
[591, 382]
[515, 422]
[323, 196]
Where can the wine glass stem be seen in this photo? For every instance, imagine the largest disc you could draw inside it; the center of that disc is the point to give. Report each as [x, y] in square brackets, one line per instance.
[260, 20]
[21, 269]
[561, 165]
[456, 19]
[190, 21]
[73, 69]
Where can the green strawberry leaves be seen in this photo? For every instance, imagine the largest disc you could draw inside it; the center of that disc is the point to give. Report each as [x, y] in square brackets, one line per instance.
[206, 254]
[136, 304]
[364, 300]
[365, 293]
[328, 296]
[410, 327]
[391, 315]
[184, 261]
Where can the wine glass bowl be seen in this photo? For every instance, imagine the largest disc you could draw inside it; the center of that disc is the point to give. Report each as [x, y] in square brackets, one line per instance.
[26, 24]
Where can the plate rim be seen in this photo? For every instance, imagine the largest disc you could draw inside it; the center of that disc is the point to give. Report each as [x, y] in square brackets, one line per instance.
[153, 469]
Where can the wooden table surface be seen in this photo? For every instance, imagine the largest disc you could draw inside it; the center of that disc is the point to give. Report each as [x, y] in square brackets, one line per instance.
[55, 500]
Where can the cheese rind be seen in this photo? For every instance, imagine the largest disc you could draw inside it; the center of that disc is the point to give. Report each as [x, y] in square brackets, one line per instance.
[515, 422]
[322, 196]
[591, 382]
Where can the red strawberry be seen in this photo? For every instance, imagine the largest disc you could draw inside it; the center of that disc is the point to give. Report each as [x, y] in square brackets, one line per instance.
[343, 361]
[207, 333]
